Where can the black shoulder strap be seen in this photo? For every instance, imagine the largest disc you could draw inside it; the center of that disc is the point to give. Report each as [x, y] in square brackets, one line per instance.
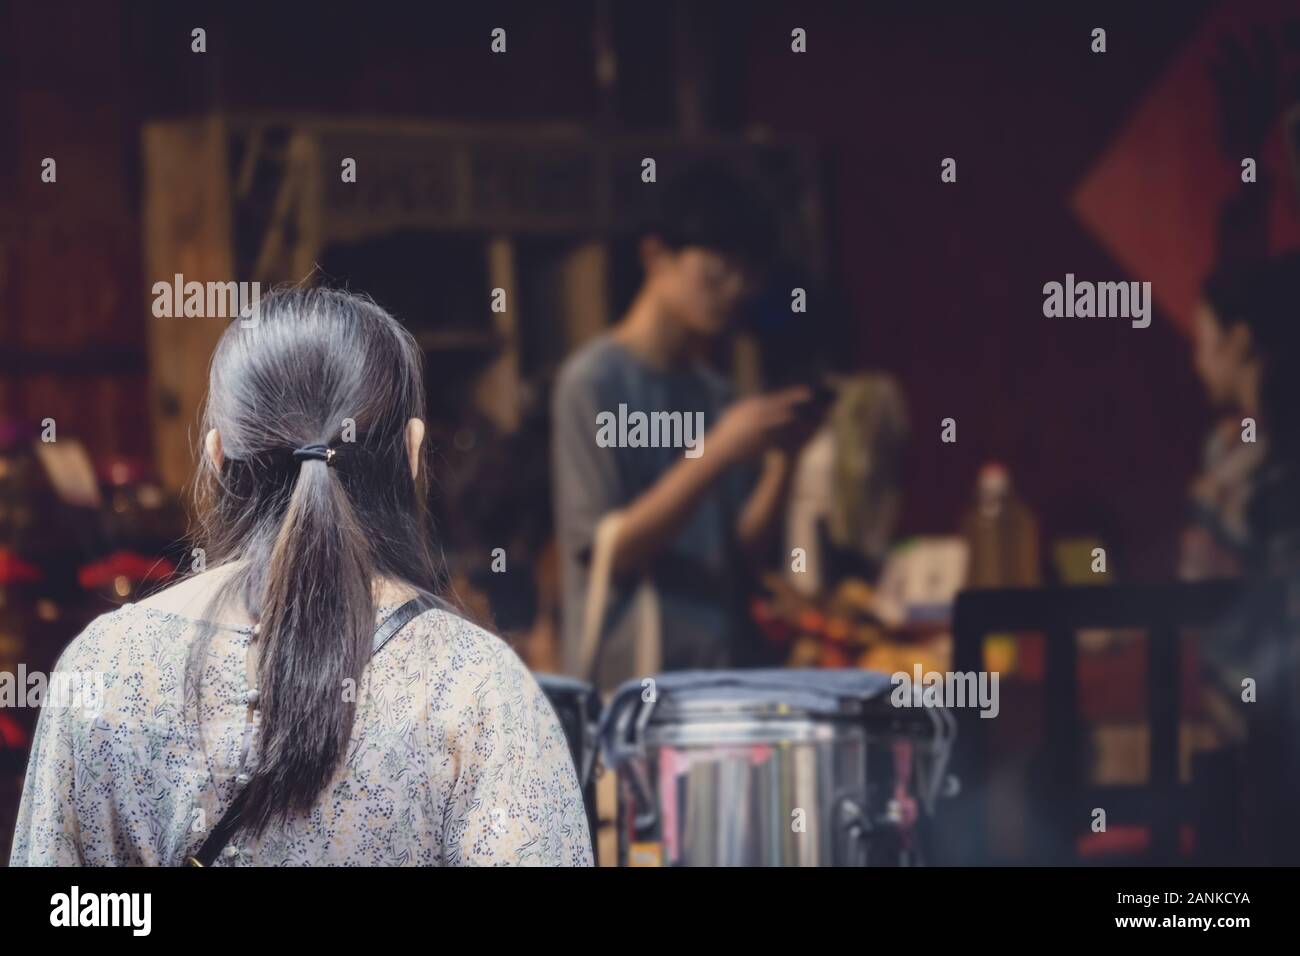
[398, 620]
[229, 822]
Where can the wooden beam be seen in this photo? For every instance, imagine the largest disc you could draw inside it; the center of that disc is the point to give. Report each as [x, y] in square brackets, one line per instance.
[187, 230]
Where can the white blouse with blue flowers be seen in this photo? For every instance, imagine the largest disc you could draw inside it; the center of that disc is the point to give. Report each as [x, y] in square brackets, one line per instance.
[456, 757]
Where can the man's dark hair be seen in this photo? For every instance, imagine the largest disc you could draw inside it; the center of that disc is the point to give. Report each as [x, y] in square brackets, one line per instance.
[1263, 294]
[708, 206]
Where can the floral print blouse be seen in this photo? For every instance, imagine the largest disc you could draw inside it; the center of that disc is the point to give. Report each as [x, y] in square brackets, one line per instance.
[456, 756]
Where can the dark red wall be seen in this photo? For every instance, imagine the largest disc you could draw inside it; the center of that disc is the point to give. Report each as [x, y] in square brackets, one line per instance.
[1099, 423]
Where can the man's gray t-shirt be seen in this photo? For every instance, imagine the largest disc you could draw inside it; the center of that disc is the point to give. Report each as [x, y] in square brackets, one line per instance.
[696, 578]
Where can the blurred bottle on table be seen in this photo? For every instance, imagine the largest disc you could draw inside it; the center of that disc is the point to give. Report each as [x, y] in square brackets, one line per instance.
[1002, 534]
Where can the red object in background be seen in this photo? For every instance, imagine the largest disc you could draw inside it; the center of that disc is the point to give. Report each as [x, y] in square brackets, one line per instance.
[1154, 197]
[833, 657]
[1113, 683]
[124, 564]
[1031, 656]
[11, 735]
[120, 471]
[14, 570]
[1128, 841]
[813, 622]
[837, 630]
[775, 628]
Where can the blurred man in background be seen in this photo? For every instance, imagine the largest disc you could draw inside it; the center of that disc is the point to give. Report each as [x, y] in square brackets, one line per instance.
[653, 541]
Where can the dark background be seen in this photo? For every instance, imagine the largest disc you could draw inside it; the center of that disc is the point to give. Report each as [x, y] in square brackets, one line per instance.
[1099, 423]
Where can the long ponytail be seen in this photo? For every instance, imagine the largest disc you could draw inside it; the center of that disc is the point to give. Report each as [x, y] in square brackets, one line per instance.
[307, 536]
[314, 633]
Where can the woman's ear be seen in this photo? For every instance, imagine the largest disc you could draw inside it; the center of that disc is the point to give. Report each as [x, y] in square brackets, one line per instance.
[212, 445]
[414, 438]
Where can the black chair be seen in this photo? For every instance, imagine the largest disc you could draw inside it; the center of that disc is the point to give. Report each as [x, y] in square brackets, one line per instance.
[1163, 611]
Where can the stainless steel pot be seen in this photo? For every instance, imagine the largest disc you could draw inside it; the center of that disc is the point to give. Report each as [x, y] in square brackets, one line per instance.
[772, 768]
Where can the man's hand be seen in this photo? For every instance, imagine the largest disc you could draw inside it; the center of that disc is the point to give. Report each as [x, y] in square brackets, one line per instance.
[752, 425]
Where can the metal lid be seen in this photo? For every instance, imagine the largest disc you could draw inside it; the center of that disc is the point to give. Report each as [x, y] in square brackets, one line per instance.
[809, 692]
[793, 694]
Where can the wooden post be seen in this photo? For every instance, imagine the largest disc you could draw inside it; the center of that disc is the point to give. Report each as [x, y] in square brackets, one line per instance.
[497, 391]
[187, 231]
[584, 292]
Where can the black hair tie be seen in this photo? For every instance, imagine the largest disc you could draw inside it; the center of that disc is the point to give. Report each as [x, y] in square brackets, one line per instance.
[314, 453]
